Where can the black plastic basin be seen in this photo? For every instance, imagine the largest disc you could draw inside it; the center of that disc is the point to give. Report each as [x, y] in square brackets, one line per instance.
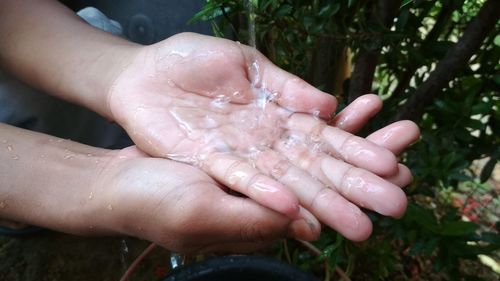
[239, 268]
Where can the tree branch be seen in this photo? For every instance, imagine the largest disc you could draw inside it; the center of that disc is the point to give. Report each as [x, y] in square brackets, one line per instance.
[454, 61]
[442, 21]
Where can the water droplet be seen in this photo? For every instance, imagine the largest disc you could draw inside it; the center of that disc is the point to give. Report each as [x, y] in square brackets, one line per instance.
[354, 182]
[15, 157]
[3, 205]
[220, 101]
[176, 260]
[91, 195]
[316, 113]
[254, 71]
[109, 207]
[237, 94]
[60, 140]
[42, 156]
[9, 147]
[89, 155]
[170, 83]
[69, 156]
[124, 247]
[272, 97]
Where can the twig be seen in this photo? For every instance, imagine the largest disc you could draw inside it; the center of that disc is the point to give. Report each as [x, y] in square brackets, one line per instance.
[136, 262]
[287, 252]
[317, 252]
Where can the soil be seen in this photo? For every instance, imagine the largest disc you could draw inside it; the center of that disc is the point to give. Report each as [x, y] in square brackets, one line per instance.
[51, 256]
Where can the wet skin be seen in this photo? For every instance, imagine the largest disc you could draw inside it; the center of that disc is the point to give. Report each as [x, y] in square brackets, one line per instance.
[276, 152]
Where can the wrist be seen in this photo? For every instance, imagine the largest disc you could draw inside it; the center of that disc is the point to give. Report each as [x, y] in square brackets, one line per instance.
[102, 72]
[54, 50]
[51, 181]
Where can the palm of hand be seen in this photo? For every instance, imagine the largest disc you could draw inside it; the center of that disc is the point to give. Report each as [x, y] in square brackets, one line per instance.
[199, 120]
[160, 97]
[200, 106]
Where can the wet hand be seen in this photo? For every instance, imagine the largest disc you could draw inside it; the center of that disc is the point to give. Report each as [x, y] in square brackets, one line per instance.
[182, 209]
[175, 96]
[221, 106]
[326, 181]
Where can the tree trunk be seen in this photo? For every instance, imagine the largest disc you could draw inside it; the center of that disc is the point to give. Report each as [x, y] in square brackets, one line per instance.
[326, 65]
[454, 61]
[383, 13]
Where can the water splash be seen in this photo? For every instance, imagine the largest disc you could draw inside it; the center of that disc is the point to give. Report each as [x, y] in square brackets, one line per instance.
[176, 260]
[123, 254]
[220, 101]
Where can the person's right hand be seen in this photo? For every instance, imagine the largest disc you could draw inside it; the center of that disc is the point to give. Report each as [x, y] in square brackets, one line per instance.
[181, 208]
[70, 187]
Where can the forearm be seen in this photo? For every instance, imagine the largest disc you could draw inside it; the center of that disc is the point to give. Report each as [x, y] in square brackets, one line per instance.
[49, 47]
[48, 181]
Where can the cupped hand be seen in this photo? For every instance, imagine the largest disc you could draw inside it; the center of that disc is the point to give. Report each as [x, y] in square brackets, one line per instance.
[182, 209]
[336, 191]
[222, 106]
[192, 98]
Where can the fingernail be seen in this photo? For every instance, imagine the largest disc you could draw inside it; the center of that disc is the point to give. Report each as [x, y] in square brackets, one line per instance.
[303, 230]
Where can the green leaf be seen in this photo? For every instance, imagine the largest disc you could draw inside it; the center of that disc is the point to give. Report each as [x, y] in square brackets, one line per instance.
[474, 124]
[497, 40]
[489, 167]
[405, 2]
[329, 10]
[481, 108]
[458, 228]
[422, 217]
[403, 19]
[216, 30]
[283, 10]
[496, 78]
[209, 12]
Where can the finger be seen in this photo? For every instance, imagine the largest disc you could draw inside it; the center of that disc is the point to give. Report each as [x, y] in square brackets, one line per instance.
[240, 176]
[307, 227]
[402, 178]
[294, 93]
[396, 136]
[359, 186]
[352, 118]
[242, 220]
[353, 149]
[326, 204]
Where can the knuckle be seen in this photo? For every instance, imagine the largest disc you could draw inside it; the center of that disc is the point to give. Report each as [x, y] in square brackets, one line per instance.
[280, 169]
[322, 193]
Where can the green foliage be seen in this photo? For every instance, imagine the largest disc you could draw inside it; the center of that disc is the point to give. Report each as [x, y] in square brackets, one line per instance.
[459, 127]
